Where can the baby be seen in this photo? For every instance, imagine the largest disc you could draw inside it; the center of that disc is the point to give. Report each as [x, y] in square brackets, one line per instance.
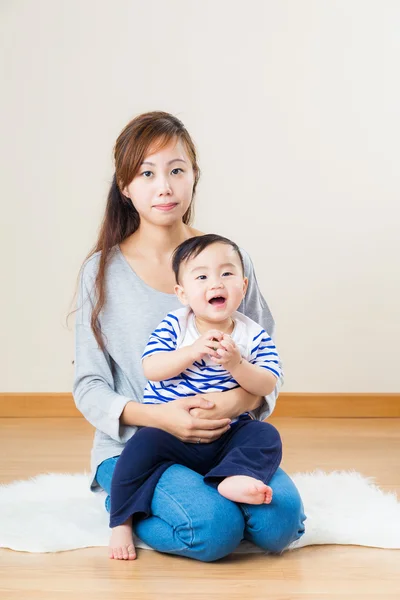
[207, 346]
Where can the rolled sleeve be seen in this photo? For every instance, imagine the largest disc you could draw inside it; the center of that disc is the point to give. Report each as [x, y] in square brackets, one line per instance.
[93, 386]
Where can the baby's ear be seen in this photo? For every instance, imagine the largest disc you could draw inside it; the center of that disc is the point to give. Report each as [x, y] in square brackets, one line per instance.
[245, 286]
[180, 292]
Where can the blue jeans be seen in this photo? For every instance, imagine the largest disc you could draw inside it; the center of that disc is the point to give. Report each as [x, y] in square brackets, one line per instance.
[190, 518]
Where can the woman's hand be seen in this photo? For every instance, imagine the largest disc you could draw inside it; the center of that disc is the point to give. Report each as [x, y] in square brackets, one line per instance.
[176, 418]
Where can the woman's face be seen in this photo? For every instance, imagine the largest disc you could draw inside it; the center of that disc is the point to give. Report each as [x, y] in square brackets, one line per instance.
[162, 190]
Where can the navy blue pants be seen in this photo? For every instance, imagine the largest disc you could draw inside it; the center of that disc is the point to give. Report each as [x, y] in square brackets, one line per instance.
[250, 448]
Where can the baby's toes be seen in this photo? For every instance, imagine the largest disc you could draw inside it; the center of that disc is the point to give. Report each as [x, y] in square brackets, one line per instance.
[260, 486]
[268, 496]
[131, 552]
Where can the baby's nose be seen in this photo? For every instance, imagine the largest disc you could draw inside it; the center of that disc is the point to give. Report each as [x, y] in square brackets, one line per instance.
[217, 284]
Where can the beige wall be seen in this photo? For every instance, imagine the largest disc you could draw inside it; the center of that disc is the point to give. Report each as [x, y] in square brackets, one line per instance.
[294, 106]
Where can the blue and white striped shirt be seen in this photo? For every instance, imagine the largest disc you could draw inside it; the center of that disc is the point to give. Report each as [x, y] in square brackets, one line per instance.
[178, 329]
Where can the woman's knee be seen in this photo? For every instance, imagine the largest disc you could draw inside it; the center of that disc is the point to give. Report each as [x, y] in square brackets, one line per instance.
[220, 532]
[194, 519]
[290, 521]
[274, 527]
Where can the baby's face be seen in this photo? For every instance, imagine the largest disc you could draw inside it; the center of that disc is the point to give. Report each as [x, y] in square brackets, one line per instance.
[212, 284]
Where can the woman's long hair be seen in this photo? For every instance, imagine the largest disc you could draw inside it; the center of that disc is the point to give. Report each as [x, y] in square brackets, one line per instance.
[152, 130]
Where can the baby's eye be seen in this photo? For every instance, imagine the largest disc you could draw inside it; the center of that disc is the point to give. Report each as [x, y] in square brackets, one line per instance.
[177, 169]
[202, 277]
[226, 273]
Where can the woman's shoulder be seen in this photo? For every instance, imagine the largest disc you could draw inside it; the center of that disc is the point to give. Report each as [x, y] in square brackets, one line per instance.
[195, 232]
[91, 265]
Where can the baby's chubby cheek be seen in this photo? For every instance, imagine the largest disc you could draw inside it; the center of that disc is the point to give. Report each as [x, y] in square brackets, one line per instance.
[237, 289]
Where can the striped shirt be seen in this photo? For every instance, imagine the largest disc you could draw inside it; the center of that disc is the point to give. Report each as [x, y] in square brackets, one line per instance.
[178, 329]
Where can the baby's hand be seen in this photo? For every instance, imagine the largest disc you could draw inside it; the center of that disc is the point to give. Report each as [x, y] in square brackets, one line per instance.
[228, 354]
[206, 344]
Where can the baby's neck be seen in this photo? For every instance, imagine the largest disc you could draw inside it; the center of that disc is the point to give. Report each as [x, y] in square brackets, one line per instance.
[226, 326]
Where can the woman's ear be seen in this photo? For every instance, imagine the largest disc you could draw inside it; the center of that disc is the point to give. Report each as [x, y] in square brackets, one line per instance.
[180, 292]
[245, 286]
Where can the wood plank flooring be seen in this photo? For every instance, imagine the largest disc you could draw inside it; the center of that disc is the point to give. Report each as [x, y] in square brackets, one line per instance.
[371, 446]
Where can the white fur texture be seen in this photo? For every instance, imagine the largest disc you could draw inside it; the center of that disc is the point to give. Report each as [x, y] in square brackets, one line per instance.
[54, 512]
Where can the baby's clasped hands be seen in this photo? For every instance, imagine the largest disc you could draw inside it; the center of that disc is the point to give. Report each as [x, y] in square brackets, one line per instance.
[228, 354]
[207, 344]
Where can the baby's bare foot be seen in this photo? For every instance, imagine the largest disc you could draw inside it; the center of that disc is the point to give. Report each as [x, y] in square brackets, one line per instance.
[121, 544]
[249, 490]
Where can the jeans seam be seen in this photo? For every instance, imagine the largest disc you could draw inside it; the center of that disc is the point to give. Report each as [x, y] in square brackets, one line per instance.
[160, 489]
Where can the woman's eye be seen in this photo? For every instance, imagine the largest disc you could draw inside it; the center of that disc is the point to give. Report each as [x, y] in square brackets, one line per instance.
[226, 273]
[147, 174]
[202, 277]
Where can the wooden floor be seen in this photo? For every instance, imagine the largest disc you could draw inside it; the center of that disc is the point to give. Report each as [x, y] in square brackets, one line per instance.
[371, 446]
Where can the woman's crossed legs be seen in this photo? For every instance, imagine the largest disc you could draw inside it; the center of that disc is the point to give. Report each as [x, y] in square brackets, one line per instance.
[190, 518]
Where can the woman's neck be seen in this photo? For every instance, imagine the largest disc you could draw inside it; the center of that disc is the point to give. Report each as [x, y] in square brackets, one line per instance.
[156, 243]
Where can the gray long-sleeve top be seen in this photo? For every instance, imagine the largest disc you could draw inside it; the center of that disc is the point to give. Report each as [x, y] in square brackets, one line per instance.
[106, 380]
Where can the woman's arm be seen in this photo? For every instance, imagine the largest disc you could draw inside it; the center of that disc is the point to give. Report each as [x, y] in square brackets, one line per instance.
[255, 307]
[176, 418]
[93, 387]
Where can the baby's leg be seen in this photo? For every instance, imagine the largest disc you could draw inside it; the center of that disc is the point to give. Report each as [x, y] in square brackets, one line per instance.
[144, 459]
[121, 543]
[251, 457]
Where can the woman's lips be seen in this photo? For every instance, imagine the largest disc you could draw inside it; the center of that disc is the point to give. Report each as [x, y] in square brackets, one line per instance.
[166, 207]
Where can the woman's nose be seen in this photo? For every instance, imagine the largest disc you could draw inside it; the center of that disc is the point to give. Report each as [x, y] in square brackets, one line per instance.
[164, 187]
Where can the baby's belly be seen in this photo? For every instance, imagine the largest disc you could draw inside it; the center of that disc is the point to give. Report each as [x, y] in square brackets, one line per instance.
[166, 393]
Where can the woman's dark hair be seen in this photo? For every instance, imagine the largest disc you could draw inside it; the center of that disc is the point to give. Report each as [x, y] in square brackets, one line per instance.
[193, 246]
[149, 131]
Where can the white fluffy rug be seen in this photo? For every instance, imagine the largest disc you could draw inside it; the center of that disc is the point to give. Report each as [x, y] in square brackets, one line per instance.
[54, 512]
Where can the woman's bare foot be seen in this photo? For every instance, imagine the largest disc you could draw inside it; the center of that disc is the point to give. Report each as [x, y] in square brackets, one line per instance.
[121, 544]
[249, 490]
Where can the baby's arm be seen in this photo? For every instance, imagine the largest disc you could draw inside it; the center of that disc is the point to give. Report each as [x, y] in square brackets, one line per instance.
[164, 365]
[256, 380]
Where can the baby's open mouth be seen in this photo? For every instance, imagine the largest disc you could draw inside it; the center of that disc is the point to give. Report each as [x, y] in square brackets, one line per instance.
[218, 300]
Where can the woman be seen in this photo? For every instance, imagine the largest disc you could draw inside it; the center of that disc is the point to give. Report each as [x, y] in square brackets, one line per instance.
[126, 288]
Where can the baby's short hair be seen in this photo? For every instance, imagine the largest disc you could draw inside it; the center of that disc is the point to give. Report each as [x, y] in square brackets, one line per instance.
[193, 246]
